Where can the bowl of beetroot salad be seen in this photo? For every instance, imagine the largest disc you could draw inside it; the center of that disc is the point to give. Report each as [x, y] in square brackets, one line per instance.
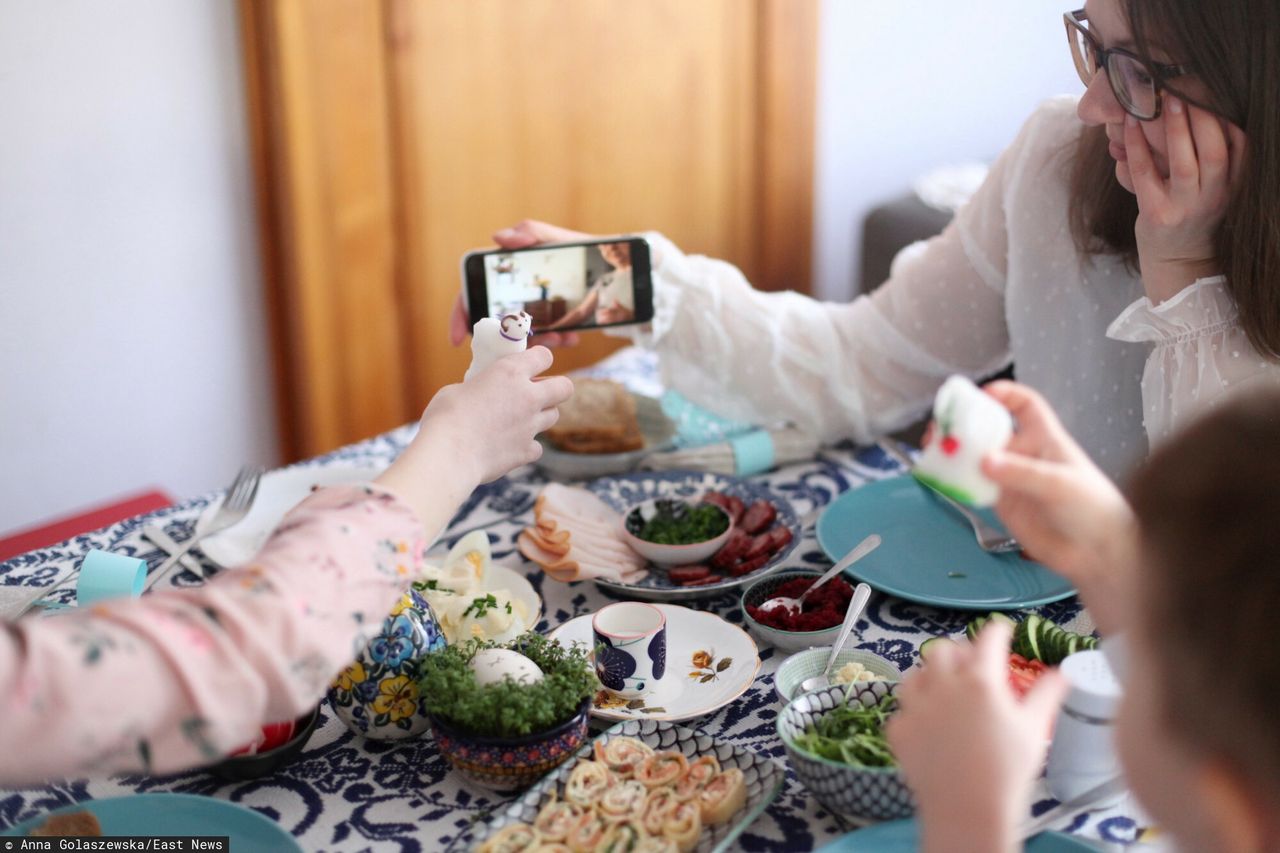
[815, 625]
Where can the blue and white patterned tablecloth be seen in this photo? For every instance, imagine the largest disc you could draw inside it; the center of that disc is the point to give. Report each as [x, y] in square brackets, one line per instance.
[346, 793]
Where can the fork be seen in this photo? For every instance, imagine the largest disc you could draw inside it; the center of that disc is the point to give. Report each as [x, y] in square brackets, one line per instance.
[989, 538]
[235, 506]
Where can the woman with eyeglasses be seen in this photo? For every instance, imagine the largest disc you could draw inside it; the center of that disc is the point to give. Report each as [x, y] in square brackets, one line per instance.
[1123, 253]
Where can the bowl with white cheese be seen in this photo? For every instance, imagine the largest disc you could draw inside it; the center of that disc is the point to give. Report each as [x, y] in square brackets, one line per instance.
[852, 665]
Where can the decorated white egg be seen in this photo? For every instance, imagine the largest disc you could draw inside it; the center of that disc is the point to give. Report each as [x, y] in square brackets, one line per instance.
[492, 665]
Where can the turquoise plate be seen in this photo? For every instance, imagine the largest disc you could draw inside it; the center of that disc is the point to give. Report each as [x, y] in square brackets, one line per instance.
[178, 814]
[899, 836]
[929, 554]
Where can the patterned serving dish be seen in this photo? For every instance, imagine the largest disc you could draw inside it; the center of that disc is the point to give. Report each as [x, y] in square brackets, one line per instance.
[859, 794]
[377, 695]
[511, 764]
[763, 778]
[625, 491]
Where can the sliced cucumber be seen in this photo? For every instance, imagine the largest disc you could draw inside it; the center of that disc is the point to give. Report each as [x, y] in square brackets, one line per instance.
[1034, 624]
[1002, 617]
[929, 646]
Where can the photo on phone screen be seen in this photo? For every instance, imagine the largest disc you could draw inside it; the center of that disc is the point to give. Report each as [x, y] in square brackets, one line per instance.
[571, 286]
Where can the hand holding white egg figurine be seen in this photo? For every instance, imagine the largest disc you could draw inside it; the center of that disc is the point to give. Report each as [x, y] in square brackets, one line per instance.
[492, 338]
[967, 425]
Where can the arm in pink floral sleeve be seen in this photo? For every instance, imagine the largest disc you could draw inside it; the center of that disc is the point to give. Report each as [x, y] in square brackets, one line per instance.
[181, 678]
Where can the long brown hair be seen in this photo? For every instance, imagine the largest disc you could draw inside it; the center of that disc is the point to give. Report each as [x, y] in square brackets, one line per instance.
[1234, 46]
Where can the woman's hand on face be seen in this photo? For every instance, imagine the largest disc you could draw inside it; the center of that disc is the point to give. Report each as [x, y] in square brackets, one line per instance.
[960, 711]
[1066, 513]
[1179, 216]
[488, 424]
[522, 235]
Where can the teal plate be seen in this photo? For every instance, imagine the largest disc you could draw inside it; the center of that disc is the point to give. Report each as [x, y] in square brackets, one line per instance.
[899, 836]
[178, 814]
[929, 554]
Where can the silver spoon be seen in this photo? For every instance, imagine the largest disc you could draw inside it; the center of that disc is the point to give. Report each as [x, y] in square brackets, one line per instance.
[859, 603]
[862, 549]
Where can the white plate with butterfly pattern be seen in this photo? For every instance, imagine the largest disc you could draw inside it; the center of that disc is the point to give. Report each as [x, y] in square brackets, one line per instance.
[709, 664]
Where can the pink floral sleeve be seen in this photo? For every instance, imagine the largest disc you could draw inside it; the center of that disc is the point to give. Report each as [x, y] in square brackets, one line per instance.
[181, 678]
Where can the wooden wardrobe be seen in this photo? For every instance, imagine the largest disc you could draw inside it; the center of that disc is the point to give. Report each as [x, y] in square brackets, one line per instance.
[391, 136]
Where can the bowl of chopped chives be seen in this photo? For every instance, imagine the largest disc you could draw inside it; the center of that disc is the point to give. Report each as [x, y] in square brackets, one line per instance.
[672, 532]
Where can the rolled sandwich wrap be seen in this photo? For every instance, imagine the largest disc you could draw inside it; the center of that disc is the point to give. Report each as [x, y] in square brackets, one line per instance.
[622, 754]
[624, 801]
[512, 839]
[722, 797]
[662, 768]
[587, 783]
[557, 819]
[701, 771]
[683, 826]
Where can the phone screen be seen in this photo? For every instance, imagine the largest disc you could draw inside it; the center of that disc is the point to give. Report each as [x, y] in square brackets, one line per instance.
[573, 286]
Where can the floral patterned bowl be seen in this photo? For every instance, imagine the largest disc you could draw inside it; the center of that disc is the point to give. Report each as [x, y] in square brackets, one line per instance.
[511, 764]
[377, 695]
[859, 794]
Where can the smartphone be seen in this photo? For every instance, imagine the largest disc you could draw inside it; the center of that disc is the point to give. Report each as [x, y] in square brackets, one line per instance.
[589, 285]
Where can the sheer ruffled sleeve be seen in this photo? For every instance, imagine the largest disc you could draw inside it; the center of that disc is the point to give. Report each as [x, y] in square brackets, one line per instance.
[180, 678]
[1201, 354]
[852, 370]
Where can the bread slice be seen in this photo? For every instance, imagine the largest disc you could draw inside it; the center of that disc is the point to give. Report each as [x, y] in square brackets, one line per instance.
[74, 824]
[600, 417]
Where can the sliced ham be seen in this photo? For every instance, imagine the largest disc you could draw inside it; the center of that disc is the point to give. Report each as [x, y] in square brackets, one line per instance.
[576, 536]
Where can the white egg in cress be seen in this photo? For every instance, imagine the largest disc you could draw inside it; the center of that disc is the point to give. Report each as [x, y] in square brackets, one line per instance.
[492, 665]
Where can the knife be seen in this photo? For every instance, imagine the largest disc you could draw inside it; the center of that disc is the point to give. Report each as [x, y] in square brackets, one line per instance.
[1083, 802]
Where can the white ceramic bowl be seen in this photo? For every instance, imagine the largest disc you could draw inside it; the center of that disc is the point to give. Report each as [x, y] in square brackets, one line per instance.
[673, 555]
[788, 641]
[810, 662]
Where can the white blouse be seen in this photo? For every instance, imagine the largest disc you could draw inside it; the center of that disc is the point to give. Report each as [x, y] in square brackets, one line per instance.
[1004, 282]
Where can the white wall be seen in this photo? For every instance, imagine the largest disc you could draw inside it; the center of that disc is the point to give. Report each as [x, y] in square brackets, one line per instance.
[132, 342]
[907, 86]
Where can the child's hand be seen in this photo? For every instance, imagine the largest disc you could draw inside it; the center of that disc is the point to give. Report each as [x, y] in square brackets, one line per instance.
[490, 421]
[1063, 510]
[969, 749]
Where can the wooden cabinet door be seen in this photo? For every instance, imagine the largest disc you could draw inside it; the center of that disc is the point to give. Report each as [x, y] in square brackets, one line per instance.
[394, 137]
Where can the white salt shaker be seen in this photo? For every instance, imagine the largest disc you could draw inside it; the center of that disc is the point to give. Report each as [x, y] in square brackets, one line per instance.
[1083, 754]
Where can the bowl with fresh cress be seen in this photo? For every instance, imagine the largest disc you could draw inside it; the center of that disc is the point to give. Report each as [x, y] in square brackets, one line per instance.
[505, 714]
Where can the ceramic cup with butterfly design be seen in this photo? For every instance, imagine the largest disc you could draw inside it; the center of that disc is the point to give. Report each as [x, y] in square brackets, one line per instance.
[631, 647]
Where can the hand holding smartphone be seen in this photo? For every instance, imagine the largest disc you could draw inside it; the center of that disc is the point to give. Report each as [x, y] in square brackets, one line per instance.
[588, 284]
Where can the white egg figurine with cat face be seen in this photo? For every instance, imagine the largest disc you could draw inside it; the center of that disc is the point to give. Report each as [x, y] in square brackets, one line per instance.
[492, 665]
[967, 425]
[492, 338]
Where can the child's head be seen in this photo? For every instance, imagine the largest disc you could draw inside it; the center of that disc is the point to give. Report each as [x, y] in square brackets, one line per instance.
[1199, 731]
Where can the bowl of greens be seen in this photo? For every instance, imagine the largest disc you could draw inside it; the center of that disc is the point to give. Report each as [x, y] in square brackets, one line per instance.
[836, 745]
[672, 532]
[505, 714]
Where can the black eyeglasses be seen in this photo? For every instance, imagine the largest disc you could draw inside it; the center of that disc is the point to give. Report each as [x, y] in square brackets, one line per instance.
[1136, 82]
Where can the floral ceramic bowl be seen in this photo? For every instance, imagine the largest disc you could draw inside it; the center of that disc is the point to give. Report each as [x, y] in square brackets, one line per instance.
[859, 794]
[377, 695]
[511, 764]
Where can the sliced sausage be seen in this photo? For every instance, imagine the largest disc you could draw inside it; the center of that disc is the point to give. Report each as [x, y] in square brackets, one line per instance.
[683, 574]
[759, 517]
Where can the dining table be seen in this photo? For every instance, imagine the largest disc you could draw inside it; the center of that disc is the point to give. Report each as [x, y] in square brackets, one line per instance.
[345, 792]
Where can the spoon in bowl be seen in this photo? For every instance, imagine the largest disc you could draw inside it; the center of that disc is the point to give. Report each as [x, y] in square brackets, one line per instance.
[862, 549]
[859, 603]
